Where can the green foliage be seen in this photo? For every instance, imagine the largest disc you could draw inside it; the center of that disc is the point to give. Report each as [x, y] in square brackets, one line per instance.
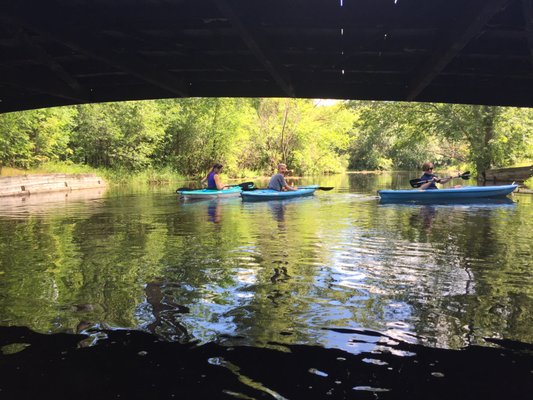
[152, 176]
[31, 137]
[117, 135]
[15, 144]
[514, 145]
[308, 138]
[201, 132]
[384, 134]
[62, 167]
[250, 136]
[447, 134]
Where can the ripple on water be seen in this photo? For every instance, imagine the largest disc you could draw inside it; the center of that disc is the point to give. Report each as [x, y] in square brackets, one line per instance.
[349, 262]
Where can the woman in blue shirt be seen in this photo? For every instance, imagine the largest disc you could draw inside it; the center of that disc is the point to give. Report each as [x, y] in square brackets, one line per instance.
[213, 178]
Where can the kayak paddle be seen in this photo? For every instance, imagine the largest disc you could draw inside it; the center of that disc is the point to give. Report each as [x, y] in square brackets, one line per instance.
[326, 188]
[305, 187]
[418, 182]
[245, 186]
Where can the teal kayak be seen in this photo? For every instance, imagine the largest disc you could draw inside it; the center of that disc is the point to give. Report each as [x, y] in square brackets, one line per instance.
[209, 194]
[269, 194]
[465, 192]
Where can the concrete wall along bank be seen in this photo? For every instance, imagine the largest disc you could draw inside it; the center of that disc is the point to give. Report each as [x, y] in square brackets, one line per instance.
[25, 185]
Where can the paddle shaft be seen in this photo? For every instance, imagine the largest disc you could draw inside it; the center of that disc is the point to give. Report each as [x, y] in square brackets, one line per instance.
[418, 182]
[326, 188]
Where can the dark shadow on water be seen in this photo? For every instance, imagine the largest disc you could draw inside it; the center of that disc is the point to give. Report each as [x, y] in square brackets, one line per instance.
[136, 365]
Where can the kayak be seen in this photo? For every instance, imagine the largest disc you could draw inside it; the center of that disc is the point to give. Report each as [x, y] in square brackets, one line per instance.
[209, 194]
[269, 194]
[465, 192]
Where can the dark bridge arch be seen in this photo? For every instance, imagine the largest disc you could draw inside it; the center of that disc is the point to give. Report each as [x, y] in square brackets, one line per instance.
[60, 52]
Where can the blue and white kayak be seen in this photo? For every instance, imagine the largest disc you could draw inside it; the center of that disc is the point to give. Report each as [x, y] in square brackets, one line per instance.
[465, 192]
[269, 194]
[209, 194]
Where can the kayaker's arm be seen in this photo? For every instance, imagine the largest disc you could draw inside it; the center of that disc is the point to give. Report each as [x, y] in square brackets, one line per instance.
[428, 184]
[219, 184]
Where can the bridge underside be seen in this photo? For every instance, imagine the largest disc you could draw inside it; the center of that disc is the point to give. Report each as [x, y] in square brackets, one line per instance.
[58, 52]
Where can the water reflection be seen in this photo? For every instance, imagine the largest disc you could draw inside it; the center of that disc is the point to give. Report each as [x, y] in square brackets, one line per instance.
[214, 211]
[277, 208]
[47, 203]
[291, 271]
[425, 217]
[165, 312]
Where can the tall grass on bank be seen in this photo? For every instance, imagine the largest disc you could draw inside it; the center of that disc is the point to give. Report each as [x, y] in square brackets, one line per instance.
[148, 176]
[50, 168]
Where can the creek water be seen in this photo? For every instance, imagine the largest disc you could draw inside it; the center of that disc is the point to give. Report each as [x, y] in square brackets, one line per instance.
[302, 271]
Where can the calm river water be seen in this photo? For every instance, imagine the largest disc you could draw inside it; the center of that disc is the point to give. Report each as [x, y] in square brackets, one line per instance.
[293, 272]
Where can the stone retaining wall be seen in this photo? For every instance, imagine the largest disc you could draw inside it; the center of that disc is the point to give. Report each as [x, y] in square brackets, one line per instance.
[25, 185]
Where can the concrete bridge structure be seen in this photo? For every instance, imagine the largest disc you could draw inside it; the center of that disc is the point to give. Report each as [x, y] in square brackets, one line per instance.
[59, 52]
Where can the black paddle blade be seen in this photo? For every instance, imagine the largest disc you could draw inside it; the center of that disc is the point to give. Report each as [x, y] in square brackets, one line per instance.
[465, 175]
[246, 186]
[318, 188]
[416, 182]
[182, 189]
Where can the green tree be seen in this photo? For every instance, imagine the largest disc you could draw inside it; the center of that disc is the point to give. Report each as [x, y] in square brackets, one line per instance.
[31, 137]
[117, 135]
[15, 144]
[200, 132]
[387, 134]
[403, 135]
[307, 137]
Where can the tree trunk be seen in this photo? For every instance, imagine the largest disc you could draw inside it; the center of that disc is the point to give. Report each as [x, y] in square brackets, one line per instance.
[485, 159]
[283, 146]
